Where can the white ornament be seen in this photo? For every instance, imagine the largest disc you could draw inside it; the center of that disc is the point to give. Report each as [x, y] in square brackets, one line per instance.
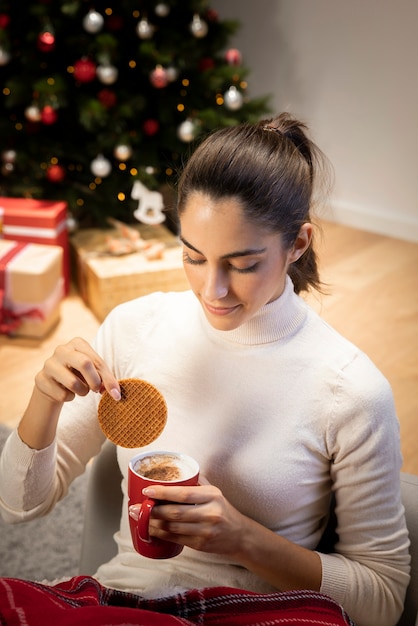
[198, 27]
[150, 204]
[144, 29]
[100, 166]
[233, 99]
[33, 113]
[93, 22]
[172, 73]
[162, 9]
[8, 156]
[186, 131]
[4, 56]
[123, 152]
[107, 74]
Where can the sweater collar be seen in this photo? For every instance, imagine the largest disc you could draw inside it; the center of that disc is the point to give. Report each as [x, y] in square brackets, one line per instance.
[274, 321]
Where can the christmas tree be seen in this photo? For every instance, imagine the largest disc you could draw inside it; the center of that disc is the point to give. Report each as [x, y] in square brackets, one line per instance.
[99, 95]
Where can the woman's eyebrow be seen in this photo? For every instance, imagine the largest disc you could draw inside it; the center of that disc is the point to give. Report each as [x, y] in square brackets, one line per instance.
[230, 255]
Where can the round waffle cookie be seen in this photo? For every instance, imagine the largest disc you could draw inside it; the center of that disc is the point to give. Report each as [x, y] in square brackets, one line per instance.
[137, 419]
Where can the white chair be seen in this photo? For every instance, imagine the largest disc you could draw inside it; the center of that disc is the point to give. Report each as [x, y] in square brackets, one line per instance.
[103, 512]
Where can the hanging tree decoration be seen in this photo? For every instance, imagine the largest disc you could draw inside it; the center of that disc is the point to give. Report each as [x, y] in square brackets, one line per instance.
[107, 73]
[122, 152]
[162, 9]
[158, 77]
[198, 27]
[187, 131]
[93, 22]
[84, 70]
[49, 115]
[33, 113]
[100, 166]
[233, 99]
[46, 40]
[233, 56]
[144, 29]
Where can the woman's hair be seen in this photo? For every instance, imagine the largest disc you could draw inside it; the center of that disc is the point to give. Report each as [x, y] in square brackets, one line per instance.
[271, 168]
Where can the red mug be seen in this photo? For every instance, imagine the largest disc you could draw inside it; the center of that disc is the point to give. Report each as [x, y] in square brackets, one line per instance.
[156, 468]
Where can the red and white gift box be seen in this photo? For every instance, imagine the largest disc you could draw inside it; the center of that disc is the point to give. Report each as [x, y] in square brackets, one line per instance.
[31, 288]
[37, 221]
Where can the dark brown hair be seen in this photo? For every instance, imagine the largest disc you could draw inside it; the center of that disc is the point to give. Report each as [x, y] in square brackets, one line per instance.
[271, 168]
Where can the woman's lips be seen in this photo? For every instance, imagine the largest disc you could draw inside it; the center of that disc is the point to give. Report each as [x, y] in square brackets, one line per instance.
[220, 310]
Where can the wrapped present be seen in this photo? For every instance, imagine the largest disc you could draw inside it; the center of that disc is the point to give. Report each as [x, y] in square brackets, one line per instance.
[31, 288]
[37, 221]
[107, 276]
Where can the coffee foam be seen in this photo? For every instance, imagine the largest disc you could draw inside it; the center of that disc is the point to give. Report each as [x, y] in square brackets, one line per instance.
[164, 467]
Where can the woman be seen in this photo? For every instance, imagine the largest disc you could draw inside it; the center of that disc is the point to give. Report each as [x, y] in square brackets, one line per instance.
[281, 412]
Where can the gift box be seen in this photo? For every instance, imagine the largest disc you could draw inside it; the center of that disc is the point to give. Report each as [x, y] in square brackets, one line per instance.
[37, 221]
[105, 280]
[31, 288]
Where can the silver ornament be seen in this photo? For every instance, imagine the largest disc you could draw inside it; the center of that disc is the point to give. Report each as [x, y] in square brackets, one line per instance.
[33, 113]
[198, 27]
[93, 22]
[4, 56]
[8, 156]
[186, 131]
[100, 166]
[162, 9]
[144, 29]
[122, 152]
[107, 74]
[233, 99]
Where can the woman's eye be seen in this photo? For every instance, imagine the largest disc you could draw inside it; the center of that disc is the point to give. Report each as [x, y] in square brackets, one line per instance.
[188, 259]
[245, 270]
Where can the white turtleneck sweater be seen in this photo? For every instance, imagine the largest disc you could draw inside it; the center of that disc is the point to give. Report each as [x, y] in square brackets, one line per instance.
[278, 413]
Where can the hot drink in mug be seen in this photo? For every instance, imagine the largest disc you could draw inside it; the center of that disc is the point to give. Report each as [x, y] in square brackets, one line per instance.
[151, 468]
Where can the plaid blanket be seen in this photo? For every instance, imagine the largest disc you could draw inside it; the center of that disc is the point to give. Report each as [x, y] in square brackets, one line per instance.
[82, 600]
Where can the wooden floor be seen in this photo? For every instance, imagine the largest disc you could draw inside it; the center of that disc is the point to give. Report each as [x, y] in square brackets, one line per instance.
[372, 299]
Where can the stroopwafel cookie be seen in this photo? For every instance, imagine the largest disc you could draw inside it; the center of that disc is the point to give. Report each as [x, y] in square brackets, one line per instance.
[137, 419]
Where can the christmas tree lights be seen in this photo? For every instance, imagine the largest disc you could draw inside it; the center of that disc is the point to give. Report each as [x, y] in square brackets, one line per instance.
[98, 95]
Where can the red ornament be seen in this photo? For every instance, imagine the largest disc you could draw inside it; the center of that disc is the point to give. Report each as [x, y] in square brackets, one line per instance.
[4, 20]
[114, 22]
[84, 70]
[49, 115]
[150, 127]
[55, 173]
[46, 41]
[233, 56]
[207, 63]
[107, 97]
[159, 78]
[212, 15]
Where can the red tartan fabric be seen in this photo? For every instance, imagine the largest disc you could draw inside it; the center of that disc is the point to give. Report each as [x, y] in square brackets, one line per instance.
[82, 600]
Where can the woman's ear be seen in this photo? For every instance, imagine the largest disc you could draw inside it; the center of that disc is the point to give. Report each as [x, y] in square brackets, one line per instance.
[302, 242]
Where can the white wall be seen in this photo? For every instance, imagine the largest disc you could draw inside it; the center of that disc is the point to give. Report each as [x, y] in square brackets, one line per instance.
[350, 70]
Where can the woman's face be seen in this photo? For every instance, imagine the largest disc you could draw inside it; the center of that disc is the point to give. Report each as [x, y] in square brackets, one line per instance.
[234, 267]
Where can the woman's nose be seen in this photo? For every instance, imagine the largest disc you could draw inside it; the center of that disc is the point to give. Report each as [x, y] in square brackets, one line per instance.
[215, 286]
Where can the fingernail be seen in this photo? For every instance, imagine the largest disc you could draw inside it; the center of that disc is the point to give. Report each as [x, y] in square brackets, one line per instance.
[134, 512]
[149, 491]
[115, 394]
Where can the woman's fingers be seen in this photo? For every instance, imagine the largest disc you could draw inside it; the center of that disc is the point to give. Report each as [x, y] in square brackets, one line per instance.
[75, 369]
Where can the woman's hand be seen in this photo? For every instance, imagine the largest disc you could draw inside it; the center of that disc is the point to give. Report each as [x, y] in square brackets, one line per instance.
[75, 369]
[199, 517]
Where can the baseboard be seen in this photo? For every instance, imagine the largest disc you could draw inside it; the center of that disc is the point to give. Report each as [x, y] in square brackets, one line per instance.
[357, 216]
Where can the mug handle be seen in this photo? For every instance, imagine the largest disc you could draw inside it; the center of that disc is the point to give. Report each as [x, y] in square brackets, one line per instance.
[143, 519]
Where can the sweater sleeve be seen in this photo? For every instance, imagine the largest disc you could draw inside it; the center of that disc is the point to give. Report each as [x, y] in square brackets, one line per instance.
[369, 571]
[33, 481]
